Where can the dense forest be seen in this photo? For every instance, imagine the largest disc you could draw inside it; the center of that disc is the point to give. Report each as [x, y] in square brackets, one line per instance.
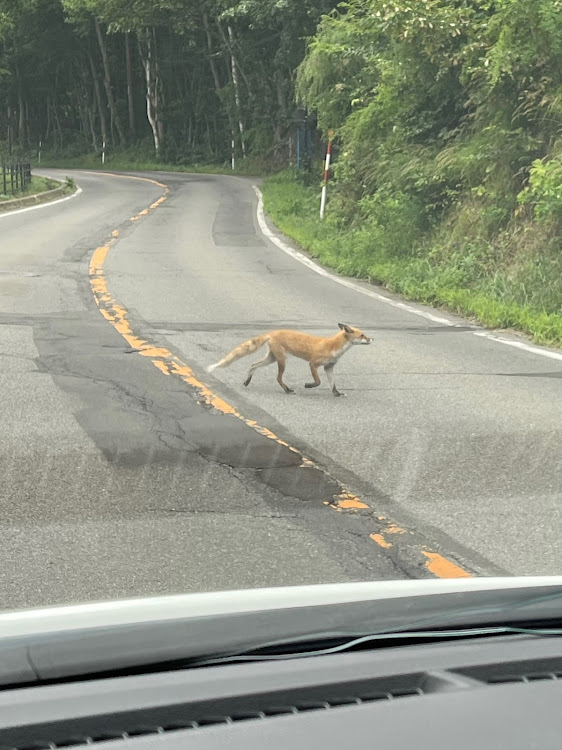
[447, 182]
[175, 77]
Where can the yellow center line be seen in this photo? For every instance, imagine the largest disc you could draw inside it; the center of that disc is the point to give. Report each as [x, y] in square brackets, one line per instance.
[381, 541]
[443, 568]
[130, 177]
[169, 364]
[347, 500]
[161, 366]
[394, 529]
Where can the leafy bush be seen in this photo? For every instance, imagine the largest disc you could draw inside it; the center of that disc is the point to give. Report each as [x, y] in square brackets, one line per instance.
[544, 190]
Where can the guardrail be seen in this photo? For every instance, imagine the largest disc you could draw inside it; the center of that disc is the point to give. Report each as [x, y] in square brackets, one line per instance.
[15, 176]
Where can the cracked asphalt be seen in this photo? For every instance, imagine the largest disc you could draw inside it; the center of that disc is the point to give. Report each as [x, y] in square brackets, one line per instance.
[117, 481]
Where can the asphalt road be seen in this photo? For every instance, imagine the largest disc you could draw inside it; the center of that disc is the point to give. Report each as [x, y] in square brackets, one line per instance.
[123, 476]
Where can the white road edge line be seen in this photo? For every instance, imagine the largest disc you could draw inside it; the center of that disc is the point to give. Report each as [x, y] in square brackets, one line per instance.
[305, 260]
[41, 205]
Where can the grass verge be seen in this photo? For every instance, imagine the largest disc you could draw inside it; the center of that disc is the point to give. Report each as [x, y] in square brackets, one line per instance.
[37, 185]
[454, 283]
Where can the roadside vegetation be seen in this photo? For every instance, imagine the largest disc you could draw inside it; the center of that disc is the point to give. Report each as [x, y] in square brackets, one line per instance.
[447, 114]
[493, 294]
[37, 185]
[448, 173]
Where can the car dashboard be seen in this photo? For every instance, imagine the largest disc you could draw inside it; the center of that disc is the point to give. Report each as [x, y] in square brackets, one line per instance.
[500, 692]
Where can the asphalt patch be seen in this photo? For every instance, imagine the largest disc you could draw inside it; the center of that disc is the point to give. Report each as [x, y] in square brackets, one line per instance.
[138, 420]
[302, 482]
[227, 440]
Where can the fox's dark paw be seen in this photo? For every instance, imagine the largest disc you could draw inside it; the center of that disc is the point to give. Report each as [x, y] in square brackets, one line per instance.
[339, 393]
[289, 391]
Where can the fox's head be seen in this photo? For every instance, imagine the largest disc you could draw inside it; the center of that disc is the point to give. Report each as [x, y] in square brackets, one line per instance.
[354, 335]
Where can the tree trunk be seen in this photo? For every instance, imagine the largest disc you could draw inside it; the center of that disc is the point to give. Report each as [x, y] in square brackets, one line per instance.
[91, 121]
[58, 125]
[229, 44]
[129, 85]
[89, 108]
[107, 83]
[48, 128]
[212, 62]
[281, 119]
[146, 54]
[111, 128]
[158, 93]
[21, 121]
[209, 139]
[97, 93]
[215, 72]
[27, 128]
[81, 117]
[21, 111]
[9, 130]
[234, 67]
[81, 98]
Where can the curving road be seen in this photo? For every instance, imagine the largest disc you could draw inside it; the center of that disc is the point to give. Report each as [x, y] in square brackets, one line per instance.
[125, 471]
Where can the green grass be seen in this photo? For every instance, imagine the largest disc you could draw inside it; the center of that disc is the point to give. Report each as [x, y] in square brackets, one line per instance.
[456, 282]
[131, 162]
[38, 185]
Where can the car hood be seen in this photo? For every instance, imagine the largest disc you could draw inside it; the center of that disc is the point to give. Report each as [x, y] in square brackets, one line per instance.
[78, 641]
[219, 604]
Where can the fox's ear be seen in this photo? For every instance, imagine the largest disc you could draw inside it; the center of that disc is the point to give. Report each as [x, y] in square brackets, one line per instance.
[345, 328]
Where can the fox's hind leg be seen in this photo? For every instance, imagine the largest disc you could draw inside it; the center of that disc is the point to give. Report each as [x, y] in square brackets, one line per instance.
[280, 355]
[269, 359]
[280, 371]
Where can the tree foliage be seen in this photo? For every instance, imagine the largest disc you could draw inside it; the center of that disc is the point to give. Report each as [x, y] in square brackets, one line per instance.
[432, 99]
[448, 115]
[177, 76]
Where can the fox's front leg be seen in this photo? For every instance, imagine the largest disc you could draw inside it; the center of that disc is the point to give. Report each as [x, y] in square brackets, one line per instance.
[329, 370]
[314, 371]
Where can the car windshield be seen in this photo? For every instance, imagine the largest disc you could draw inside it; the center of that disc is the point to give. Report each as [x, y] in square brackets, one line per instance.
[280, 294]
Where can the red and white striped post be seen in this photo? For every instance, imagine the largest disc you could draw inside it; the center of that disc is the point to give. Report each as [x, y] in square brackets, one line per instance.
[326, 169]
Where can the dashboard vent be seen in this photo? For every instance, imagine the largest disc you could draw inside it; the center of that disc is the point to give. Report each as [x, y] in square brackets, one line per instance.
[532, 677]
[531, 670]
[54, 736]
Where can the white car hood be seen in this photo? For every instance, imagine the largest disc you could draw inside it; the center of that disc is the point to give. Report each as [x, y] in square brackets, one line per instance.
[134, 611]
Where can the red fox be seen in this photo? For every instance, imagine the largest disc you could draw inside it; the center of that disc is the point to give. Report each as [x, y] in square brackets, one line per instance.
[319, 351]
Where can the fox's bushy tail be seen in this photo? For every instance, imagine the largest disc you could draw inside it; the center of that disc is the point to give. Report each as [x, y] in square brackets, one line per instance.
[241, 351]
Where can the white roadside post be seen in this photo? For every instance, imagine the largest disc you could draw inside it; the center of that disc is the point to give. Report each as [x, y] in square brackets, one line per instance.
[232, 148]
[103, 152]
[326, 168]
